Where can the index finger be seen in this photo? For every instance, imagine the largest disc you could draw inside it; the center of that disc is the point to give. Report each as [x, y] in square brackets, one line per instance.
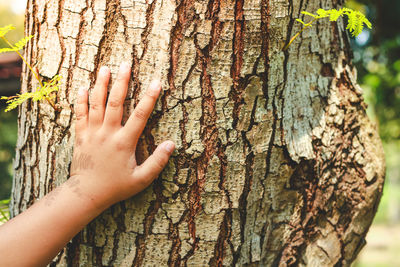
[137, 121]
[81, 111]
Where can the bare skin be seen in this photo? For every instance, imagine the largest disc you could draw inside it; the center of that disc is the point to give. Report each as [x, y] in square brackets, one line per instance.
[104, 171]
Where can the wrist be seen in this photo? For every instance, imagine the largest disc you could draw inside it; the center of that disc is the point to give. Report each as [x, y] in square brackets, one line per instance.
[80, 186]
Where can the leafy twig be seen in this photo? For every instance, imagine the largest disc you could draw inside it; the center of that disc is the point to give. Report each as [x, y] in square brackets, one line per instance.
[356, 21]
[44, 91]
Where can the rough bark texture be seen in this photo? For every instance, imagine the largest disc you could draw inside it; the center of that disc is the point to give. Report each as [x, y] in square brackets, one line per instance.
[276, 162]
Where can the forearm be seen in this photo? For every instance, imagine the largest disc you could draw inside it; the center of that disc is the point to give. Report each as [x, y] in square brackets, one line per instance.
[34, 237]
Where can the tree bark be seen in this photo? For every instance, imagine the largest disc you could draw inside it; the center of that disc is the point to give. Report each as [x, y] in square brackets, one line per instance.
[276, 164]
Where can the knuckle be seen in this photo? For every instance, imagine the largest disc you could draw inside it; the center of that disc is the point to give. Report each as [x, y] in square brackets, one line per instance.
[95, 106]
[122, 79]
[114, 103]
[120, 145]
[101, 137]
[81, 100]
[150, 95]
[140, 113]
[80, 115]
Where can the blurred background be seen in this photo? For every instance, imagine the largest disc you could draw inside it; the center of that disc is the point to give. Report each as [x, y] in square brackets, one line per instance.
[10, 72]
[377, 57]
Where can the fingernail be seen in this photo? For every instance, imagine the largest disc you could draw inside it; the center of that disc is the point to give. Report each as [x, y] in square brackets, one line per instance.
[154, 87]
[124, 67]
[82, 91]
[169, 147]
[104, 70]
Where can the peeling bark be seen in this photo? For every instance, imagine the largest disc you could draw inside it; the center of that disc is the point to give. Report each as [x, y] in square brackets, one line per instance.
[277, 163]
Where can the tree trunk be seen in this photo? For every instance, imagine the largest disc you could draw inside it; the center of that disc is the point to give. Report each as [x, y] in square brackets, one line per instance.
[276, 161]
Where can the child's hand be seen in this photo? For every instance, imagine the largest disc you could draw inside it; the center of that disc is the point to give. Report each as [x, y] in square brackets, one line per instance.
[103, 172]
[104, 167]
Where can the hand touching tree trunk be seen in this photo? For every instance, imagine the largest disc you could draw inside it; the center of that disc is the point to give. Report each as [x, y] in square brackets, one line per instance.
[276, 163]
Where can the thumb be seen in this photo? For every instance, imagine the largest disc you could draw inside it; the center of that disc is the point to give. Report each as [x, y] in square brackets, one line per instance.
[153, 165]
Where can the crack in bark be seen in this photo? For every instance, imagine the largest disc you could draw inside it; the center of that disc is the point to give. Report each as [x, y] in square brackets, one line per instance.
[208, 130]
[147, 224]
[148, 27]
[265, 43]
[177, 33]
[113, 13]
[226, 225]
[285, 72]
[243, 197]
[174, 257]
[73, 251]
[239, 84]
[136, 85]
[78, 44]
[62, 45]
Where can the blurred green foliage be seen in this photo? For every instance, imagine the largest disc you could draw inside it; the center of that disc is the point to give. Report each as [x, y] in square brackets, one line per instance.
[8, 121]
[377, 58]
[8, 137]
[378, 64]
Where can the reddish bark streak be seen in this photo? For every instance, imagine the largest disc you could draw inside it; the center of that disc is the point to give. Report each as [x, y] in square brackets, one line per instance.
[184, 12]
[239, 84]
[113, 14]
[208, 131]
[148, 27]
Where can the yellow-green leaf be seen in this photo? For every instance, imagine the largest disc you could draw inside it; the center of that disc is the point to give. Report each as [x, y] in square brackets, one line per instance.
[17, 46]
[42, 93]
[5, 29]
[335, 14]
[302, 22]
[322, 13]
[21, 43]
[308, 14]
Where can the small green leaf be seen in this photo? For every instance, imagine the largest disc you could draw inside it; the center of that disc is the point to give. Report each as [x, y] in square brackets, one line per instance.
[17, 46]
[302, 22]
[5, 29]
[335, 14]
[367, 22]
[308, 14]
[21, 43]
[322, 13]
